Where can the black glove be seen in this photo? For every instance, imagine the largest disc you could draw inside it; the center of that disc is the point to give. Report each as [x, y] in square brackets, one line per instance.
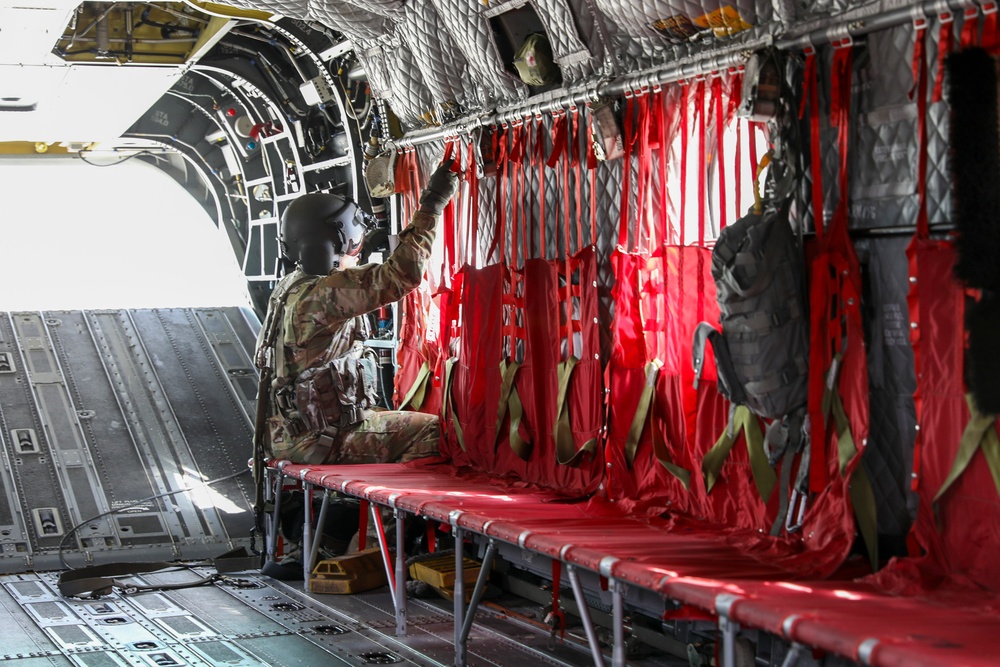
[441, 188]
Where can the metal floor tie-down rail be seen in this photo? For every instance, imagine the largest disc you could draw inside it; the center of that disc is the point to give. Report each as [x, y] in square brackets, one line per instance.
[252, 620]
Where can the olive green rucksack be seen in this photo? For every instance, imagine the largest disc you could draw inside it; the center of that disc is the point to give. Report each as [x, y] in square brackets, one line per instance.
[534, 62]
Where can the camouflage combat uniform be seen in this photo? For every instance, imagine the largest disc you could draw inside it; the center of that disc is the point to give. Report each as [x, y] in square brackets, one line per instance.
[322, 320]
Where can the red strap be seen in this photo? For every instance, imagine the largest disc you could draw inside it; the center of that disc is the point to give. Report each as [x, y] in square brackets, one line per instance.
[738, 168]
[623, 222]
[663, 111]
[539, 161]
[816, 161]
[431, 535]
[559, 131]
[362, 525]
[920, 77]
[702, 166]
[720, 150]
[500, 230]
[840, 110]
[592, 168]
[923, 233]
[577, 177]
[566, 200]
[735, 91]
[472, 173]
[558, 617]
[970, 28]
[448, 220]
[517, 181]
[944, 48]
[685, 103]
[989, 37]
[645, 166]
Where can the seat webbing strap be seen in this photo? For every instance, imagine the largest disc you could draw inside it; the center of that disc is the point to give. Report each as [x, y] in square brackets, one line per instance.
[741, 419]
[980, 435]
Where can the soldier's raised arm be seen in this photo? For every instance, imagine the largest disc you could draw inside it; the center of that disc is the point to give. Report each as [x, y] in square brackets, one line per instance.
[365, 288]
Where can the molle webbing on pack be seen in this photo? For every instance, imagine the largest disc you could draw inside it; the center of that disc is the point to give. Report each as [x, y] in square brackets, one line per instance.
[757, 265]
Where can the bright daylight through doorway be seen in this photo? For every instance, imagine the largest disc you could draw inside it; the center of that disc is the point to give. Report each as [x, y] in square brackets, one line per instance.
[81, 237]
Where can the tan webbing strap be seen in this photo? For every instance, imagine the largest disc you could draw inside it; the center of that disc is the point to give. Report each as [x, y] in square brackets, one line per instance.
[645, 413]
[566, 452]
[661, 452]
[511, 402]
[642, 410]
[448, 405]
[979, 434]
[414, 398]
[862, 496]
[741, 419]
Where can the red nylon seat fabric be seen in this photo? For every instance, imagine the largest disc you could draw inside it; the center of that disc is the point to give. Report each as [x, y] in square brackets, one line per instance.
[415, 350]
[477, 381]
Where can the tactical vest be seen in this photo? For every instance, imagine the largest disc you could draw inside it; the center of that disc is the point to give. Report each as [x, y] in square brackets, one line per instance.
[322, 400]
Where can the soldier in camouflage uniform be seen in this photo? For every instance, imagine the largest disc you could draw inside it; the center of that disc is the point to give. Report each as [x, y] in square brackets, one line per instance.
[322, 319]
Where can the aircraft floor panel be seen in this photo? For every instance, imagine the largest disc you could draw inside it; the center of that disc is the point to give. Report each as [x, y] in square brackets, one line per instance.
[249, 620]
[120, 415]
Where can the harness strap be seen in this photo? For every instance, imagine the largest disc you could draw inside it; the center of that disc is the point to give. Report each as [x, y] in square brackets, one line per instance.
[269, 357]
[811, 90]
[645, 415]
[970, 28]
[577, 166]
[666, 113]
[741, 419]
[685, 103]
[645, 122]
[510, 403]
[448, 221]
[860, 488]
[418, 390]
[538, 159]
[592, 169]
[448, 405]
[701, 114]
[626, 196]
[944, 49]
[980, 435]
[720, 150]
[922, 234]
[472, 172]
[500, 141]
[642, 410]
[566, 452]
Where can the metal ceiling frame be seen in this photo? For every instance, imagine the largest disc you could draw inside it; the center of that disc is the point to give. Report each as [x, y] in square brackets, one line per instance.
[854, 24]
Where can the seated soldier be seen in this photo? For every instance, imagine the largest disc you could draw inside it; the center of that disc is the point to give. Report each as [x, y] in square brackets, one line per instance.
[312, 338]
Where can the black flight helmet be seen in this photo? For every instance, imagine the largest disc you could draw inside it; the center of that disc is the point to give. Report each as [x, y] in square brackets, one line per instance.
[318, 229]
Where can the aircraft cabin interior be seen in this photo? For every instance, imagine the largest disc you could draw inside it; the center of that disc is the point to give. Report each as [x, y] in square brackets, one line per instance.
[695, 305]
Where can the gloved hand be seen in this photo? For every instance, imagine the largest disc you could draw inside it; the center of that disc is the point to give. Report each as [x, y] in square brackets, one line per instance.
[440, 188]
